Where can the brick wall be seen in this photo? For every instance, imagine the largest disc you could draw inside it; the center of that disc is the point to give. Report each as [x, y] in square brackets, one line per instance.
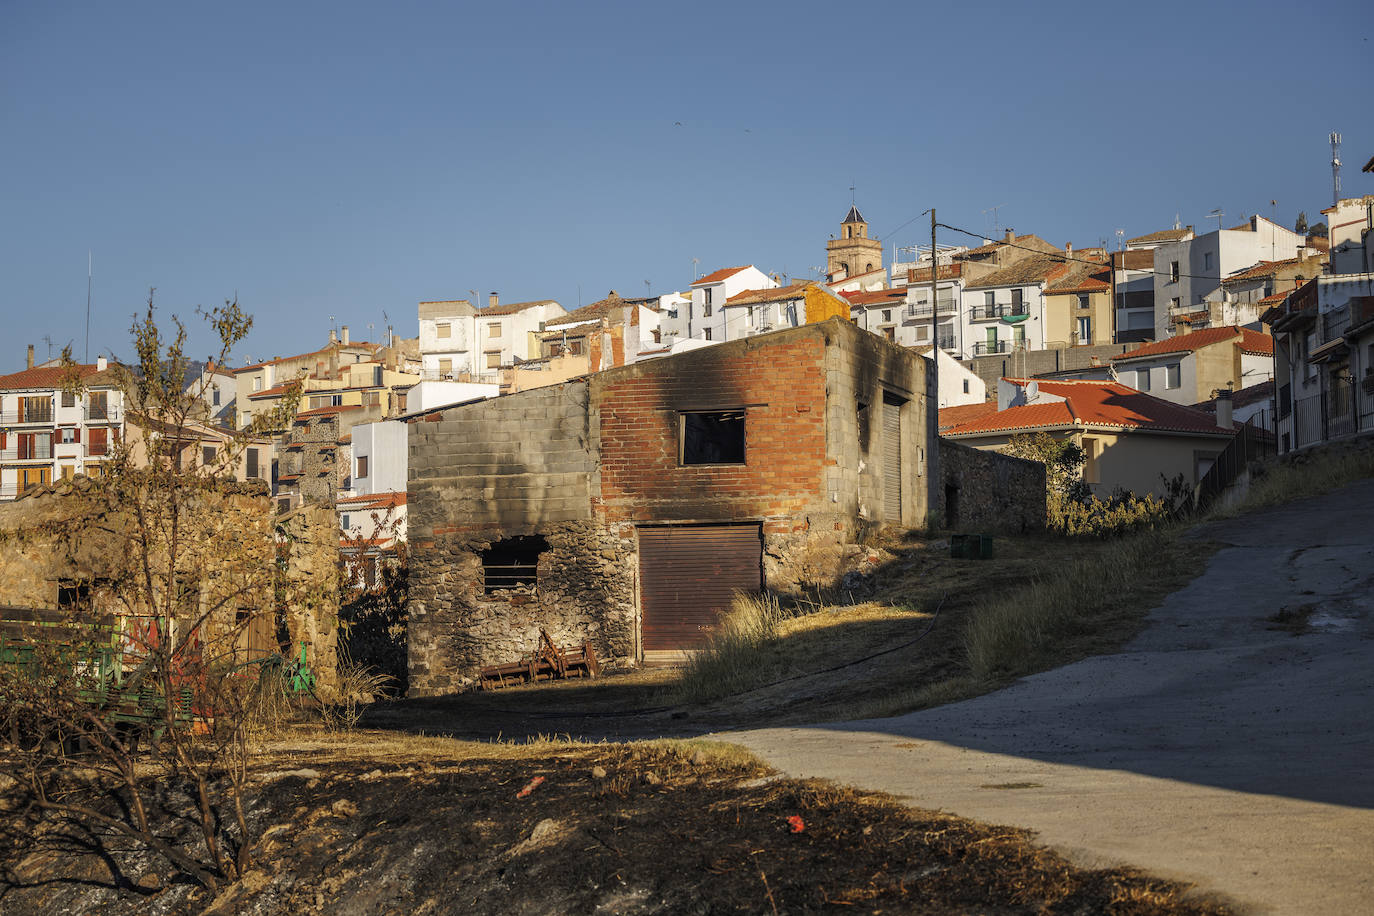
[988, 492]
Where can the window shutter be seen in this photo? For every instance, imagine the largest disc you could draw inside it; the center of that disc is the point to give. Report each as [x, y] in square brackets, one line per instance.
[77, 433]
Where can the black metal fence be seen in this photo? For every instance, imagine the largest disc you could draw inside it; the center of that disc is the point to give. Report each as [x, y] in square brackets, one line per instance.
[1250, 442]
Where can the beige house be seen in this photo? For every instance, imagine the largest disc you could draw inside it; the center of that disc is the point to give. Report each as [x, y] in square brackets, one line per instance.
[1132, 440]
[1078, 306]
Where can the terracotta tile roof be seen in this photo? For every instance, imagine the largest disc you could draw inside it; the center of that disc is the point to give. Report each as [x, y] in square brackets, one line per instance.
[512, 308]
[1261, 270]
[325, 411]
[372, 501]
[1250, 342]
[866, 273]
[965, 413]
[593, 312]
[1242, 397]
[346, 439]
[781, 294]
[922, 274]
[1029, 270]
[352, 344]
[720, 276]
[1083, 278]
[275, 391]
[1164, 235]
[1093, 404]
[44, 377]
[875, 296]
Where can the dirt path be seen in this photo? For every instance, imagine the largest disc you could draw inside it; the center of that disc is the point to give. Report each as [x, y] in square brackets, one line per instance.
[1228, 744]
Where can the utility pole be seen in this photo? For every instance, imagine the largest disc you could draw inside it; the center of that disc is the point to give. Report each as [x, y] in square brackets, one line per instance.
[933, 400]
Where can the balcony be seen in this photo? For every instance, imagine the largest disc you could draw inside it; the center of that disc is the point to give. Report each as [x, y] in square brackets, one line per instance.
[922, 309]
[28, 415]
[989, 348]
[102, 414]
[1335, 323]
[994, 312]
[27, 451]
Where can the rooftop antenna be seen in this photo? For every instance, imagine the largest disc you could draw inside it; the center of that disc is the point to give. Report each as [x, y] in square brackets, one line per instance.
[47, 338]
[1218, 215]
[87, 357]
[993, 211]
[696, 274]
[1120, 239]
[1178, 223]
[647, 288]
[1335, 168]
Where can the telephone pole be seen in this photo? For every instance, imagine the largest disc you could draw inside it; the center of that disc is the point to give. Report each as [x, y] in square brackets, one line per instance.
[933, 489]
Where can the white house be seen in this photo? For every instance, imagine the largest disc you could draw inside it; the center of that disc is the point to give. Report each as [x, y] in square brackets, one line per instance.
[758, 311]
[1189, 369]
[1188, 268]
[1351, 226]
[504, 333]
[47, 434]
[1005, 310]
[705, 313]
[372, 513]
[446, 328]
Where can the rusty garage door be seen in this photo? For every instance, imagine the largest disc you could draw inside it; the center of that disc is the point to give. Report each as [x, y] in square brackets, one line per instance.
[688, 574]
[892, 459]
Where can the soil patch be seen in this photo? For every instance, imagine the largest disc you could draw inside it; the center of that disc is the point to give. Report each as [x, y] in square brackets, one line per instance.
[434, 826]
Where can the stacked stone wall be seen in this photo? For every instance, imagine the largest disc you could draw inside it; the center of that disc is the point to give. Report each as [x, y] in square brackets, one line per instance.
[990, 492]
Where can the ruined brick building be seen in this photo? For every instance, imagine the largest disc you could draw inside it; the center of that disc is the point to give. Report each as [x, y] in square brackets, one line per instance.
[627, 507]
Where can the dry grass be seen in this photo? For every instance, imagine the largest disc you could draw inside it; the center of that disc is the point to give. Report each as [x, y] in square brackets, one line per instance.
[1303, 475]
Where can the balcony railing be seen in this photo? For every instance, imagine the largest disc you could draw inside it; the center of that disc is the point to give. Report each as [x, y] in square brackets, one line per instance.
[107, 414]
[1335, 323]
[988, 348]
[24, 452]
[922, 309]
[993, 312]
[31, 415]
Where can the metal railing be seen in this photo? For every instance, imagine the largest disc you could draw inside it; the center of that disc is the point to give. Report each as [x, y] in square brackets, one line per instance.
[22, 451]
[1335, 323]
[986, 347]
[14, 417]
[991, 312]
[1249, 443]
[107, 414]
[922, 309]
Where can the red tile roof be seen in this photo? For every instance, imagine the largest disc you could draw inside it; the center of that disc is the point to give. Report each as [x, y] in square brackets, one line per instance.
[372, 501]
[1083, 278]
[720, 276]
[1164, 235]
[965, 413]
[274, 392]
[1250, 342]
[1092, 404]
[875, 296]
[781, 294]
[331, 409]
[1134, 259]
[358, 344]
[44, 377]
[1261, 270]
[1242, 397]
[512, 308]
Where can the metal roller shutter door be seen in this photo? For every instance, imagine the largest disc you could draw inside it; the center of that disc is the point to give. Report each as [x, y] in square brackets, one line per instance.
[892, 462]
[688, 575]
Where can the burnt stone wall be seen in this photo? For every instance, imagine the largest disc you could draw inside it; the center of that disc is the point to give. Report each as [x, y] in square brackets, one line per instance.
[990, 492]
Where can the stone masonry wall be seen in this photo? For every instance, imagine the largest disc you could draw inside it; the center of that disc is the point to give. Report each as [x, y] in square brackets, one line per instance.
[988, 492]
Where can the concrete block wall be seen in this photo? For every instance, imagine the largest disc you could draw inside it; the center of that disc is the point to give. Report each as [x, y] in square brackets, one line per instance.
[1030, 363]
[988, 492]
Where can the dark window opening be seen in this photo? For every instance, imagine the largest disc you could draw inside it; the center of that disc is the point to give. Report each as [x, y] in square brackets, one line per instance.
[713, 438]
[863, 424]
[951, 505]
[73, 596]
[512, 563]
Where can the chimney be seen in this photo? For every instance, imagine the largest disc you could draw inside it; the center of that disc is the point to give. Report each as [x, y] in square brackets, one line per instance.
[1224, 409]
[345, 334]
[333, 336]
[100, 364]
[30, 359]
[493, 300]
[1009, 237]
[1068, 250]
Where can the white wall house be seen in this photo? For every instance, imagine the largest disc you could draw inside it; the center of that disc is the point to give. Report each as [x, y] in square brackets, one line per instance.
[1186, 270]
[46, 434]
[759, 311]
[1351, 226]
[503, 332]
[958, 385]
[429, 394]
[673, 309]
[1005, 310]
[446, 333]
[706, 313]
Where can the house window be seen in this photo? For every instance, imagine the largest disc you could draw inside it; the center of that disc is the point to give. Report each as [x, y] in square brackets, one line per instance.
[1173, 375]
[1018, 335]
[1173, 271]
[33, 477]
[207, 454]
[251, 460]
[512, 563]
[989, 302]
[214, 397]
[96, 443]
[706, 310]
[494, 329]
[362, 466]
[1173, 304]
[68, 471]
[344, 522]
[326, 400]
[443, 330]
[445, 367]
[708, 334]
[887, 314]
[257, 383]
[574, 348]
[494, 360]
[372, 398]
[922, 332]
[1018, 302]
[1082, 300]
[1142, 380]
[1206, 260]
[712, 437]
[890, 333]
[965, 386]
[1085, 330]
[400, 402]
[67, 435]
[69, 399]
[35, 410]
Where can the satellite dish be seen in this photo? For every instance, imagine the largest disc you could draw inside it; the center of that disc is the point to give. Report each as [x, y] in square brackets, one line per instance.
[1032, 390]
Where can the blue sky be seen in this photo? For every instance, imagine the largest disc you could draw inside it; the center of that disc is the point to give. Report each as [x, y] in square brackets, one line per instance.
[350, 159]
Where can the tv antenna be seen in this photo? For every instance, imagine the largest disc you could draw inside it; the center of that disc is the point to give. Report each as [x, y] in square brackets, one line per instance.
[1120, 237]
[47, 339]
[696, 274]
[647, 287]
[993, 211]
[1218, 215]
[1335, 168]
[87, 357]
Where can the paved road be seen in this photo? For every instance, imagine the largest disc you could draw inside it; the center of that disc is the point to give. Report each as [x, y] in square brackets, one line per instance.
[1214, 748]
